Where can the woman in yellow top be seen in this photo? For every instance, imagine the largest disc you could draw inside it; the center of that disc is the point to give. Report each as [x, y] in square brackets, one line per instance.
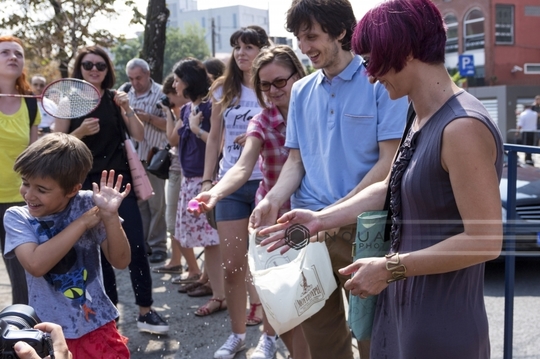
[17, 131]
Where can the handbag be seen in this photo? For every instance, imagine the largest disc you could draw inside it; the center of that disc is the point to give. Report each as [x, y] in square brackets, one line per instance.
[211, 214]
[372, 240]
[160, 162]
[141, 184]
[292, 287]
[211, 218]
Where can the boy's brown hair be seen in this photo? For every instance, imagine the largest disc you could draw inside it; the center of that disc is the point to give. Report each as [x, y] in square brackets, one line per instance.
[59, 156]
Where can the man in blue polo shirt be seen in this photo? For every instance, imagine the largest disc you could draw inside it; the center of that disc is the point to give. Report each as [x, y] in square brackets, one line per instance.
[342, 133]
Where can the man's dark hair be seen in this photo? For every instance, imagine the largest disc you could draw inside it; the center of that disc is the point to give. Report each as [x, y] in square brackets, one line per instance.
[334, 16]
[214, 66]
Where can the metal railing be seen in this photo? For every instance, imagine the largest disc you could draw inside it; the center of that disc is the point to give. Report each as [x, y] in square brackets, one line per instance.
[510, 259]
[515, 137]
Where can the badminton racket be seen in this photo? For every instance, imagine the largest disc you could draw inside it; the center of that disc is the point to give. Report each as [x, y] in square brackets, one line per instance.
[67, 98]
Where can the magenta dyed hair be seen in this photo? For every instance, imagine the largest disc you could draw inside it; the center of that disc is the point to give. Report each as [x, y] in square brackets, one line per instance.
[396, 28]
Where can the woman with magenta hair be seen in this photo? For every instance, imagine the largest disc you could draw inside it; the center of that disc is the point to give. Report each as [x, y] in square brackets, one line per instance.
[445, 201]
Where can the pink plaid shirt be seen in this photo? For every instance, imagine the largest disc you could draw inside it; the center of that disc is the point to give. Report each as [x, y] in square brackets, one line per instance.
[269, 126]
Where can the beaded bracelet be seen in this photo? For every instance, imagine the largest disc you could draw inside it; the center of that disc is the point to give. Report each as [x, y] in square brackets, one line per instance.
[396, 268]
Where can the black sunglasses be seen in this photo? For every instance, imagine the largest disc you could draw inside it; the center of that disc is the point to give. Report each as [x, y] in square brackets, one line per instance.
[278, 83]
[88, 65]
[365, 62]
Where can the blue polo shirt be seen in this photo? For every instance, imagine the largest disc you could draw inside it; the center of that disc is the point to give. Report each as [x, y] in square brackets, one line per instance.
[337, 125]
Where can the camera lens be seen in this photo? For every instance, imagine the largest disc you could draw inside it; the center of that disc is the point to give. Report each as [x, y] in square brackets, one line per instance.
[20, 315]
[164, 100]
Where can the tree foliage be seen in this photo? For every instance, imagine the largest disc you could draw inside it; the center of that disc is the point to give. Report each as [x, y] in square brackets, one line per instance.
[182, 44]
[55, 29]
[179, 45]
[124, 51]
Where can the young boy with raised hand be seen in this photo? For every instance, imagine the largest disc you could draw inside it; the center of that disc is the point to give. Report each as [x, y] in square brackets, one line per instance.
[57, 236]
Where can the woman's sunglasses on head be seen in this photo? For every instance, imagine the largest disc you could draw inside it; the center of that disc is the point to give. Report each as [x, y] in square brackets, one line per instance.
[88, 65]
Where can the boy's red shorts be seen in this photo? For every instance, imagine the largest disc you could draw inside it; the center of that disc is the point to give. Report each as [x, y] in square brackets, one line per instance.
[105, 342]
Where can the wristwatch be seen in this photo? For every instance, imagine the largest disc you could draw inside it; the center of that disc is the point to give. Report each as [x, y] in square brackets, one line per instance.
[199, 134]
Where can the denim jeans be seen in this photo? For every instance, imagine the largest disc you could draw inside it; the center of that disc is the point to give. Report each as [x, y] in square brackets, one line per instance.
[139, 268]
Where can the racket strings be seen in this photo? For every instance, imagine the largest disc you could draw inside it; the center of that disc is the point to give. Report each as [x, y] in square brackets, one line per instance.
[73, 98]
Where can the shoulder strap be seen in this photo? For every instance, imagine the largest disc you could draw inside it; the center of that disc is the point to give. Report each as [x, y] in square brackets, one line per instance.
[120, 120]
[31, 105]
[125, 87]
[411, 114]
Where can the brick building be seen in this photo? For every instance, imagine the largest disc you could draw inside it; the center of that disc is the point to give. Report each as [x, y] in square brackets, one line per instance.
[504, 38]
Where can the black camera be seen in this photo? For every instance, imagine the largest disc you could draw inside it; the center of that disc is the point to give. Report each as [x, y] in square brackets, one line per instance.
[17, 323]
[164, 101]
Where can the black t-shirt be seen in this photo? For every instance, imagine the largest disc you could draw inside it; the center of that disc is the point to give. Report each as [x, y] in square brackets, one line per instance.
[106, 145]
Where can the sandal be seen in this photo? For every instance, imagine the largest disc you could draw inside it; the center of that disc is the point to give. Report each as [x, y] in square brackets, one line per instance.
[251, 318]
[207, 309]
[184, 288]
[185, 279]
[202, 291]
[168, 269]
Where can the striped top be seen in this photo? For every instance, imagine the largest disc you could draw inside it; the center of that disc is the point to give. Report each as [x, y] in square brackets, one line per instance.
[153, 136]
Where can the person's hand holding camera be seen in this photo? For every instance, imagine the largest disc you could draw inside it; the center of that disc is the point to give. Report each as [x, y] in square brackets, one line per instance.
[195, 120]
[61, 351]
[164, 103]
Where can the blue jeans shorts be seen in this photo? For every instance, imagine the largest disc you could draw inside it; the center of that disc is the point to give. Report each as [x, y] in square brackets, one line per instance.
[239, 204]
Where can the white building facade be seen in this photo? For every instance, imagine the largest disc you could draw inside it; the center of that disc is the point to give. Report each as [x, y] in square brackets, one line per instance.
[225, 20]
[178, 6]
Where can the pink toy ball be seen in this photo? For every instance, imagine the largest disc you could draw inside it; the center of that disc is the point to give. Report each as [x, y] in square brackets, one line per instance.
[193, 205]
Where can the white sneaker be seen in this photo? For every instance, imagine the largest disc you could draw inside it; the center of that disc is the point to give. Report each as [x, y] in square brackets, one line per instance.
[233, 345]
[266, 348]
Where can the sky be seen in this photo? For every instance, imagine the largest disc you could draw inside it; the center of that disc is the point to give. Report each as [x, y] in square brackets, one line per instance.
[276, 8]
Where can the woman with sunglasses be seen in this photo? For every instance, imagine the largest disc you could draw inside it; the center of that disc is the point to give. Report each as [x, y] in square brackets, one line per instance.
[274, 71]
[104, 131]
[18, 130]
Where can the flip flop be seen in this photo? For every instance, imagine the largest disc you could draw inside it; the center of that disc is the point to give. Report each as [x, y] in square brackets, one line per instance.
[205, 310]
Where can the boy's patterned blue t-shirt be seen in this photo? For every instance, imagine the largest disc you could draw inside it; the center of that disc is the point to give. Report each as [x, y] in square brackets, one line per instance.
[71, 294]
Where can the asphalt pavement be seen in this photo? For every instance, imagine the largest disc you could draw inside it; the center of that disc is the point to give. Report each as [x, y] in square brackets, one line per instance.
[189, 336]
[197, 338]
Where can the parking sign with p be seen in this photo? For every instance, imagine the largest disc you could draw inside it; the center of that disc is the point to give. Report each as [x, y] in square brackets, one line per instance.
[466, 65]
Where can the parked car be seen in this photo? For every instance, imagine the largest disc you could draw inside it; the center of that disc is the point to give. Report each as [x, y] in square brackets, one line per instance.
[527, 225]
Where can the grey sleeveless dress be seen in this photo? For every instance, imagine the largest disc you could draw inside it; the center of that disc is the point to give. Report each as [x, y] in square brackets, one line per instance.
[435, 316]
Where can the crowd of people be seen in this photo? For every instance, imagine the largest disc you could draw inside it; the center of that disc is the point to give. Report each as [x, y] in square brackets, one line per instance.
[258, 143]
